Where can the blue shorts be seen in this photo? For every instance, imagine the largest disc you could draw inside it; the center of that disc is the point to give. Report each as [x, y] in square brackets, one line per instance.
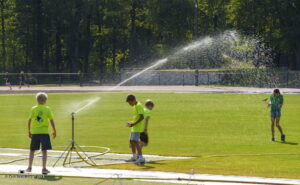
[38, 139]
[135, 136]
[275, 113]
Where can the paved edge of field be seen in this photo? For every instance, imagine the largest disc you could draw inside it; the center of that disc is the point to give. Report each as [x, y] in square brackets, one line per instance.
[146, 175]
[177, 89]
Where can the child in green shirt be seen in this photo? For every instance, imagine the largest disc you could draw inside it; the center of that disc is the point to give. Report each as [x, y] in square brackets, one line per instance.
[149, 105]
[38, 132]
[276, 103]
[137, 126]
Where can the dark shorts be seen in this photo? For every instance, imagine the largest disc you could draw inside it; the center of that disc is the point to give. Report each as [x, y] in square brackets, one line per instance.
[275, 113]
[144, 137]
[38, 139]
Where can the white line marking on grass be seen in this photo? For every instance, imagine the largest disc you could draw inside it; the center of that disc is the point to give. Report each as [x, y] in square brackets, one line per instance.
[110, 154]
[102, 159]
[149, 175]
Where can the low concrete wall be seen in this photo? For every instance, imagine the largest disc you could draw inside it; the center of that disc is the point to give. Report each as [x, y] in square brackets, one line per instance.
[233, 78]
[172, 78]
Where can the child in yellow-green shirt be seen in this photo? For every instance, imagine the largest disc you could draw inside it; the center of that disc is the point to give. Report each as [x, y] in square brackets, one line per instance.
[38, 132]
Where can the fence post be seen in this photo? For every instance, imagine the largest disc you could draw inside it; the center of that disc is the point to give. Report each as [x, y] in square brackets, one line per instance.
[60, 80]
[196, 77]
[80, 79]
[208, 78]
[182, 78]
[158, 77]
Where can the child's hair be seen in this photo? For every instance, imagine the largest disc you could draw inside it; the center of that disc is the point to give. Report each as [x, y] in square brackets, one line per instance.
[130, 97]
[41, 96]
[149, 103]
[276, 91]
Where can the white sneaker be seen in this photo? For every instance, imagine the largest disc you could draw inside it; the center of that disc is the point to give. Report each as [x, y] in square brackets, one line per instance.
[132, 159]
[141, 160]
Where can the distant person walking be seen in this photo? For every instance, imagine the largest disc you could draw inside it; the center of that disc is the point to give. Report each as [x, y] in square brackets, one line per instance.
[22, 79]
[7, 82]
[276, 103]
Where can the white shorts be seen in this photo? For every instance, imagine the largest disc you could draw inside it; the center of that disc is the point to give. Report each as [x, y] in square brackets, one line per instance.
[135, 136]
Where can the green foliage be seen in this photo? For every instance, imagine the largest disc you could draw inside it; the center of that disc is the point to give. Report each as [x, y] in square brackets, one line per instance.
[104, 36]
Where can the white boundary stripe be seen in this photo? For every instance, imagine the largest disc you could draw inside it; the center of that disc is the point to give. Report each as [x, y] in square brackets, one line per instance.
[95, 153]
[153, 175]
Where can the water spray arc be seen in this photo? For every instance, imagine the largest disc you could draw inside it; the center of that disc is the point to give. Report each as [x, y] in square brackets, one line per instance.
[194, 45]
[73, 147]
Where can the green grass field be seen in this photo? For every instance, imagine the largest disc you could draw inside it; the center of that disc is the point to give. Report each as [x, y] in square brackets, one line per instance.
[36, 180]
[187, 124]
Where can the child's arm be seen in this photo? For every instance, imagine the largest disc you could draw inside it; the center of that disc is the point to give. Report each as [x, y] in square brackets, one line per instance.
[281, 104]
[29, 126]
[146, 124]
[53, 127]
[139, 120]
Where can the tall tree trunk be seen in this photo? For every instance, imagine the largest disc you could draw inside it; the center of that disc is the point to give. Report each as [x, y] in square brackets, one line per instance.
[100, 45]
[114, 51]
[76, 33]
[58, 46]
[47, 60]
[39, 37]
[196, 19]
[27, 51]
[13, 57]
[88, 44]
[3, 36]
[132, 41]
[297, 53]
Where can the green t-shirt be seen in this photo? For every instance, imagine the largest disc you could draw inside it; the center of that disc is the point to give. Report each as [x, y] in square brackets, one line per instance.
[137, 110]
[275, 101]
[147, 112]
[40, 116]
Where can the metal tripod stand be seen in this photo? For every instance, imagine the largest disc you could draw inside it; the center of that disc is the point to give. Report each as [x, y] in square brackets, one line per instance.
[73, 147]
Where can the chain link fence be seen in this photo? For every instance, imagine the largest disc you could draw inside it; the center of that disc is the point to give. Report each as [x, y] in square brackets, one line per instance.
[51, 79]
[249, 78]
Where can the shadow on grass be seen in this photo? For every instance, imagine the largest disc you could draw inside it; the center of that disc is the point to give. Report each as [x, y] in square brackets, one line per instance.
[147, 167]
[155, 162]
[51, 178]
[287, 143]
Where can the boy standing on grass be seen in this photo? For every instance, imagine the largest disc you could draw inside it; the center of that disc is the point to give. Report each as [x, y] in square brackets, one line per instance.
[276, 102]
[137, 126]
[38, 124]
[149, 105]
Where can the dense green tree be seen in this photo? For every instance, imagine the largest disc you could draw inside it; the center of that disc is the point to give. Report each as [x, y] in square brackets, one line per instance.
[99, 37]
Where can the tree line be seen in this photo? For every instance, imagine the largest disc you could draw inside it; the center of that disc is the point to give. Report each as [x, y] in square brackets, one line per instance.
[105, 36]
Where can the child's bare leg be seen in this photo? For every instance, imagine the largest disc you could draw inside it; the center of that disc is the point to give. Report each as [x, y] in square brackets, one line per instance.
[272, 126]
[278, 126]
[44, 158]
[142, 144]
[31, 156]
[139, 148]
[133, 147]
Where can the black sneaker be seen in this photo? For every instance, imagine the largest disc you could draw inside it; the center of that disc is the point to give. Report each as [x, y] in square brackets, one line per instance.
[273, 139]
[283, 138]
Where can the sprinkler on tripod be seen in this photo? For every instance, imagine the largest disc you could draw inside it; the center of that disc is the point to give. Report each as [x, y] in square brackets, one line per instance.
[73, 147]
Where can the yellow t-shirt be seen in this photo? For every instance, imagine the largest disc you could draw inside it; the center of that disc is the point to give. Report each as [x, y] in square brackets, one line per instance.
[40, 116]
[147, 112]
[137, 110]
